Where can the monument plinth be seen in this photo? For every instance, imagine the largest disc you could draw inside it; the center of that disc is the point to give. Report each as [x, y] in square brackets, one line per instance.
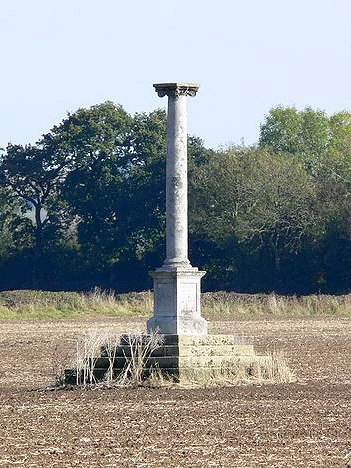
[177, 307]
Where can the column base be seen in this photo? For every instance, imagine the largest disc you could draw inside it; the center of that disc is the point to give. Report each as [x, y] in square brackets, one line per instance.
[177, 308]
[170, 326]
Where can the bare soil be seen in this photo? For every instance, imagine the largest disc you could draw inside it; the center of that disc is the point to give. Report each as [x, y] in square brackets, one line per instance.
[304, 424]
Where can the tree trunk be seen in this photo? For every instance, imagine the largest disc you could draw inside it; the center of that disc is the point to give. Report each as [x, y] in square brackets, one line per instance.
[277, 262]
[38, 248]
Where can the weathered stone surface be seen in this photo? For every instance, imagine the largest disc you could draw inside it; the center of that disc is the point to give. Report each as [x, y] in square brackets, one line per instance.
[216, 350]
[177, 307]
[210, 340]
[176, 172]
[180, 356]
[179, 88]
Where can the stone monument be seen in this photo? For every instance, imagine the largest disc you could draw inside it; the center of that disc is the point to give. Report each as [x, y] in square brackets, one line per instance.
[187, 352]
[177, 308]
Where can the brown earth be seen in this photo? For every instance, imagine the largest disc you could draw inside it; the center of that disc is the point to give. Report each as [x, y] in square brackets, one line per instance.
[304, 424]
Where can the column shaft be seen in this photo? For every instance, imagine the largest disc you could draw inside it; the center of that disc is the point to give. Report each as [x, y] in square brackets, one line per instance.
[176, 183]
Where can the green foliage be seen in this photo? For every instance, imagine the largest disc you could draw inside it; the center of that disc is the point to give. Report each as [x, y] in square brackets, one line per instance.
[287, 130]
[32, 176]
[264, 200]
[320, 141]
[276, 201]
[89, 135]
[281, 130]
[322, 144]
[146, 185]
[117, 166]
[15, 231]
[86, 204]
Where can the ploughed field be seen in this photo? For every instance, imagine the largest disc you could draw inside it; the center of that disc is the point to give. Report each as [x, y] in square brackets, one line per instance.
[307, 423]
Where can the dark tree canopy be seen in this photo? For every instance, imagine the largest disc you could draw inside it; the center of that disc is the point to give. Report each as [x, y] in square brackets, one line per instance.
[85, 205]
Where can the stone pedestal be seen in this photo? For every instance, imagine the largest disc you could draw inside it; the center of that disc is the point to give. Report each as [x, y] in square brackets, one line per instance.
[177, 308]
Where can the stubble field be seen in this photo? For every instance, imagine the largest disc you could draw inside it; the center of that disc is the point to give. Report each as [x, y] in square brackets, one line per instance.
[306, 423]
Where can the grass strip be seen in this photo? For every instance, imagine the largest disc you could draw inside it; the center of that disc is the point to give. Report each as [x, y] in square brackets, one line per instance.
[31, 304]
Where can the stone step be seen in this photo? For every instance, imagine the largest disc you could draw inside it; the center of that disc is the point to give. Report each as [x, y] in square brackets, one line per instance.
[188, 340]
[174, 361]
[187, 350]
[215, 350]
[177, 369]
[186, 368]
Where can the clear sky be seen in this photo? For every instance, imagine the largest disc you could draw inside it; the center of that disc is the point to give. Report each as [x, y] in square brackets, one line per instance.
[247, 55]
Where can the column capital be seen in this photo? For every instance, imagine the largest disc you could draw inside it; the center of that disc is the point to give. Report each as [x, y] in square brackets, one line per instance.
[176, 89]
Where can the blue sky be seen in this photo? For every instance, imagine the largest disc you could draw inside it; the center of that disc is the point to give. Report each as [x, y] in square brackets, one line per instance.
[247, 55]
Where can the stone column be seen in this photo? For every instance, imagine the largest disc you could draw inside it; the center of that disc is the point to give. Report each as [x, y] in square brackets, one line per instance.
[176, 174]
[177, 289]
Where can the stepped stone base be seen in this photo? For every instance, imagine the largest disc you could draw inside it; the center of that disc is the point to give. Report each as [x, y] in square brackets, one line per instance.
[180, 358]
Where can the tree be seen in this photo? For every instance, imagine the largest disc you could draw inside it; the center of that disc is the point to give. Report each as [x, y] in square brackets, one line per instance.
[33, 174]
[278, 205]
[12, 225]
[146, 187]
[323, 143]
[117, 168]
[305, 133]
[281, 130]
[94, 140]
[266, 201]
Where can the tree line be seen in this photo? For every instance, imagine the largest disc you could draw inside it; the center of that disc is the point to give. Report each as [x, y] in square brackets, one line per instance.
[85, 205]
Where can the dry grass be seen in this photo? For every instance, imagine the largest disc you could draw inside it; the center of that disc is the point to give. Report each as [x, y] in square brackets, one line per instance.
[56, 305]
[271, 369]
[88, 351]
[141, 347]
[274, 369]
[95, 344]
[232, 304]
